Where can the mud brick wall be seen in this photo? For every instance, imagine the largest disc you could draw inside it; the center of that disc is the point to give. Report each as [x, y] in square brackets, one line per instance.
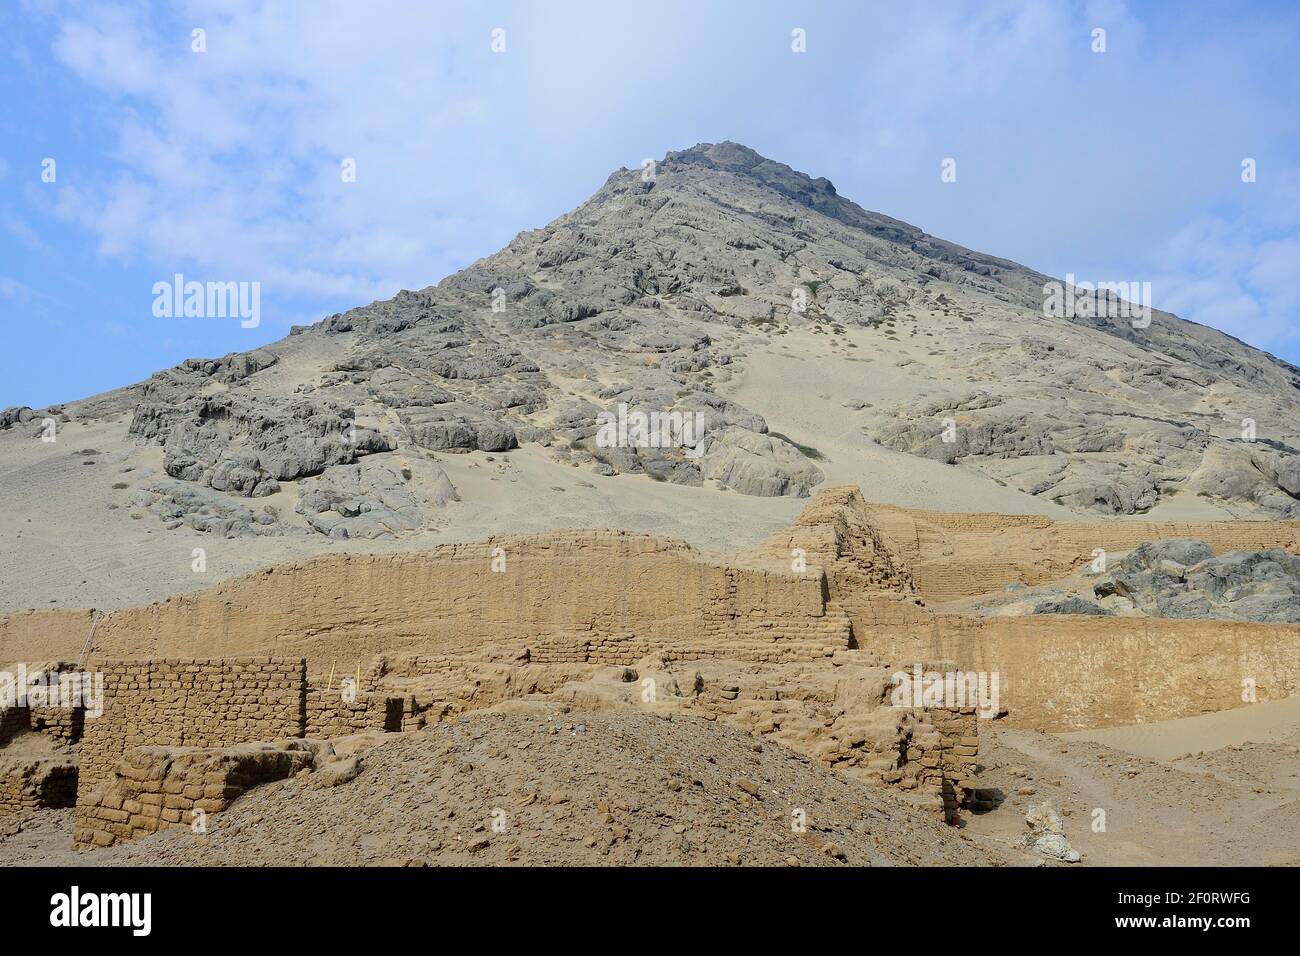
[36, 784]
[156, 788]
[191, 702]
[62, 722]
[448, 601]
[13, 721]
[943, 750]
[559, 650]
[933, 754]
[65, 723]
[868, 566]
[407, 665]
[1071, 672]
[622, 648]
[329, 715]
[756, 637]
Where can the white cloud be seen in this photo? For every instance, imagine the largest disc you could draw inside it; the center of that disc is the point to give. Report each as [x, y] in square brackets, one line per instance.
[1219, 274]
[230, 159]
[227, 162]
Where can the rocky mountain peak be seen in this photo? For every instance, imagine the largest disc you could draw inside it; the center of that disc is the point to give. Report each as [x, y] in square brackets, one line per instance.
[646, 334]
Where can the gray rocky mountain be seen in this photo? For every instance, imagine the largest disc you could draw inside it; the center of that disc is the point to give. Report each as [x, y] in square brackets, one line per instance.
[1176, 577]
[651, 299]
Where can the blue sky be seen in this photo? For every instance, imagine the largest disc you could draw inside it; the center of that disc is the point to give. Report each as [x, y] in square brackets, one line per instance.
[225, 165]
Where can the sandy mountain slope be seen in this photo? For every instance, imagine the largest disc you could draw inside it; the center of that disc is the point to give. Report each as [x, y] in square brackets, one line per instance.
[797, 338]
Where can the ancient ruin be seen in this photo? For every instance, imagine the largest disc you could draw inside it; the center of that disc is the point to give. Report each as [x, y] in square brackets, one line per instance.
[800, 640]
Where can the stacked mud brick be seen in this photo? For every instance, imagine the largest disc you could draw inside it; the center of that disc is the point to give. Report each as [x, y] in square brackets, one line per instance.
[62, 723]
[560, 650]
[752, 638]
[622, 648]
[156, 788]
[930, 752]
[13, 721]
[182, 735]
[943, 748]
[408, 665]
[329, 713]
[191, 702]
[37, 783]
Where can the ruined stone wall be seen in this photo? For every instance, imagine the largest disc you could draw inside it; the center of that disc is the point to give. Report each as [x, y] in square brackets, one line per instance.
[329, 714]
[156, 788]
[191, 702]
[37, 783]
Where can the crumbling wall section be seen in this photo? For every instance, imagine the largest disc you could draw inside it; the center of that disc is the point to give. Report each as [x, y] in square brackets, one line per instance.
[157, 788]
[331, 713]
[40, 783]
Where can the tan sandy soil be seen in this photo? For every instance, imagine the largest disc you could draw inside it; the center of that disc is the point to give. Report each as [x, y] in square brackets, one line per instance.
[1269, 722]
[61, 545]
[1238, 806]
[800, 382]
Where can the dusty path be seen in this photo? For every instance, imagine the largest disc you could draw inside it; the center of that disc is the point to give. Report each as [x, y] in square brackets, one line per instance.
[1275, 721]
[1238, 806]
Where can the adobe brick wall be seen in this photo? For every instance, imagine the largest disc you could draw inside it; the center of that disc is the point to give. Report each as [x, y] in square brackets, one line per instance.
[1071, 672]
[156, 788]
[1057, 672]
[328, 714]
[64, 723]
[38, 783]
[14, 721]
[191, 702]
[956, 555]
[351, 606]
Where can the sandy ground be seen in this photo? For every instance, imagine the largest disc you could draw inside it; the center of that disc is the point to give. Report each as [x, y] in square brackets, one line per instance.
[69, 539]
[1239, 806]
[1269, 722]
[775, 383]
[814, 415]
[1218, 789]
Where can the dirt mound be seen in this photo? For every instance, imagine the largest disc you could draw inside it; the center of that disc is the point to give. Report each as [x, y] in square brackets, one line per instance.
[562, 789]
